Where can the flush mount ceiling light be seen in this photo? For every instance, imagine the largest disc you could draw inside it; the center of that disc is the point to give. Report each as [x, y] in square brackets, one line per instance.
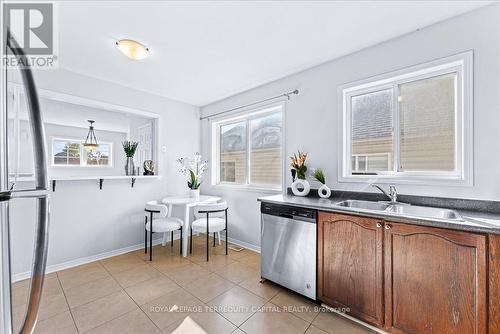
[132, 49]
[91, 141]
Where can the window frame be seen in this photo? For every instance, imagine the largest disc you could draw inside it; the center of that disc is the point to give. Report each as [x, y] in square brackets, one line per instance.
[83, 155]
[247, 116]
[461, 64]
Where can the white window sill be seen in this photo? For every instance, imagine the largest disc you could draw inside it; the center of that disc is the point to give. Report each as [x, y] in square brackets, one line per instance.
[238, 187]
[414, 180]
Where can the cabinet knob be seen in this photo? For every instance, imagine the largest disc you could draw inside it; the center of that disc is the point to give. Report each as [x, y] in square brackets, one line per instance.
[387, 226]
[379, 225]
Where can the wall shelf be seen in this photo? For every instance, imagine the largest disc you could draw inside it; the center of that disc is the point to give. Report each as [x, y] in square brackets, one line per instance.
[132, 178]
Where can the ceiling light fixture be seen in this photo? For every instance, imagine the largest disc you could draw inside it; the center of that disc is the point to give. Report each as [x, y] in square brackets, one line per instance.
[91, 141]
[132, 49]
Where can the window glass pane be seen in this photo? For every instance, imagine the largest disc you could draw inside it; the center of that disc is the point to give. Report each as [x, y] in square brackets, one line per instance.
[427, 120]
[65, 152]
[233, 152]
[100, 157]
[265, 153]
[371, 126]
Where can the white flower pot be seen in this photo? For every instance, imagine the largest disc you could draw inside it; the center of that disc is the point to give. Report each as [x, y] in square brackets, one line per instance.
[194, 193]
[324, 191]
[301, 187]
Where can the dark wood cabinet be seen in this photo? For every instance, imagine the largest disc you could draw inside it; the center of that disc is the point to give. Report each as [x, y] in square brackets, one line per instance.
[407, 278]
[350, 268]
[435, 280]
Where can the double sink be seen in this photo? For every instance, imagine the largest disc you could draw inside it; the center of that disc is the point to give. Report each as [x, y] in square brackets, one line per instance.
[401, 209]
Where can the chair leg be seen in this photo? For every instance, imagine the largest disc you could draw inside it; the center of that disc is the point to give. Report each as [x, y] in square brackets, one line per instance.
[226, 232]
[218, 237]
[214, 239]
[208, 235]
[181, 241]
[191, 241]
[145, 235]
[151, 237]
[172, 239]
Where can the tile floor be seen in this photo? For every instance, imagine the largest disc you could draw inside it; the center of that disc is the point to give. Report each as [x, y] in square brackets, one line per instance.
[129, 294]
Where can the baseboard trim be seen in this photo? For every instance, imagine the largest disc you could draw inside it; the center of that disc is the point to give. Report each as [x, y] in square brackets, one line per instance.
[84, 260]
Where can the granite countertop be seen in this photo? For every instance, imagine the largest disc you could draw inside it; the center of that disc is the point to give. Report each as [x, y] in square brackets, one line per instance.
[473, 221]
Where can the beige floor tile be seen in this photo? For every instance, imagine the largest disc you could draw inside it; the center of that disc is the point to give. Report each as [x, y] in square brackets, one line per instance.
[315, 330]
[135, 322]
[151, 289]
[88, 292]
[333, 323]
[251, 259]
[102, 310]
[172, 307]
[186, 274]
[202, 323]
[74, 277]
[60, 324]
[216, 262]
[272, 320]
[299, 306]
[237, 272]
[266, 289]
[49, 307]
[20, 290]
[164, 264]
[209, 287]
[138, 274]
[236, 305]
[121, 263]
[238, 331]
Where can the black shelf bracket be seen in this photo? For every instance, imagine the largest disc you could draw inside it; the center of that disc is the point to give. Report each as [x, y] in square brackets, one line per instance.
[53, 186]
[100, 183]
[133, 182]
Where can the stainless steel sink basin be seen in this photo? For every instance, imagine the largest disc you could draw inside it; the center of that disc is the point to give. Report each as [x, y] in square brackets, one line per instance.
[366, 205]
[423, 211]
[402, 209]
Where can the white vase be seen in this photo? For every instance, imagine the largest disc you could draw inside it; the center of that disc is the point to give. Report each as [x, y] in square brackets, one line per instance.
[324, 191]
[300, 187]
[194, 193]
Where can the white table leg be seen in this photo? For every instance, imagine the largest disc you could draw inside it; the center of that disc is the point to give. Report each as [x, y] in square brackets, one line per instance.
[164, 240]
[185, 232]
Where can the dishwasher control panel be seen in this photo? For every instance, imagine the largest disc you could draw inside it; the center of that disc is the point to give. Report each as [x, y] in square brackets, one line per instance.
[286, 211]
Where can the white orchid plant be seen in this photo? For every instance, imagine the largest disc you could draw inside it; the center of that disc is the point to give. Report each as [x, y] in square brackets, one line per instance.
[193, 168]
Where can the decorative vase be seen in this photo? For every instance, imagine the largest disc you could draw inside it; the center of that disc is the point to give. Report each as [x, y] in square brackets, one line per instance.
[194, 193]
[300, 187]
[129, 166]
[324, 191]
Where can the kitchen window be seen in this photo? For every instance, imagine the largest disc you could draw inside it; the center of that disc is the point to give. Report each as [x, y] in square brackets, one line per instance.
[71, 153]
[248, 149]
[413, 125]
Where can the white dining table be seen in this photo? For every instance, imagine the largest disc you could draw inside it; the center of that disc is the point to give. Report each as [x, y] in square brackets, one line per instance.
[188, 203]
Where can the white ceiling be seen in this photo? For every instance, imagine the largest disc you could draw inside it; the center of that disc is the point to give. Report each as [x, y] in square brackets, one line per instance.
[204, 51]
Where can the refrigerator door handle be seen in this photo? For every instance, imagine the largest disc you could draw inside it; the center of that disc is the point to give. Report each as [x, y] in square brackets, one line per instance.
[41, 185]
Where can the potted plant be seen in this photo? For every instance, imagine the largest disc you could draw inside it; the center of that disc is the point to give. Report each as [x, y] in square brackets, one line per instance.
[130, 147]
[323, 191]
[193, 169]
[300, 186]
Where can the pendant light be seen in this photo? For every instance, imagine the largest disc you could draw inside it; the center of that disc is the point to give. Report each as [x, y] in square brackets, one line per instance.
[91, 141]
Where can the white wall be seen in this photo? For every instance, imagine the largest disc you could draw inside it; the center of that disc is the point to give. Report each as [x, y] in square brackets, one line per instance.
[86, 221]
[312, 117]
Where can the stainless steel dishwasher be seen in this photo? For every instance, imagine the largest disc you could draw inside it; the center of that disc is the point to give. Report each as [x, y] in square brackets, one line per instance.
[288, 247]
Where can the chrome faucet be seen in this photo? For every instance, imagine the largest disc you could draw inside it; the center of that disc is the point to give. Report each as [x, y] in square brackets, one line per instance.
[392, 194]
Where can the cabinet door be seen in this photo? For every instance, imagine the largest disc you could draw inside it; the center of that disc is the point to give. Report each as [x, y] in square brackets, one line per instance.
[350, 272]
[435, 280]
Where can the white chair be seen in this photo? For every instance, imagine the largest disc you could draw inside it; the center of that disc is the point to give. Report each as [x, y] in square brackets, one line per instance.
[159, 222]
[210, 218]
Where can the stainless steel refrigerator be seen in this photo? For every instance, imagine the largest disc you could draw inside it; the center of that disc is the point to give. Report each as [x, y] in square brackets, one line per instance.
[11, 191]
